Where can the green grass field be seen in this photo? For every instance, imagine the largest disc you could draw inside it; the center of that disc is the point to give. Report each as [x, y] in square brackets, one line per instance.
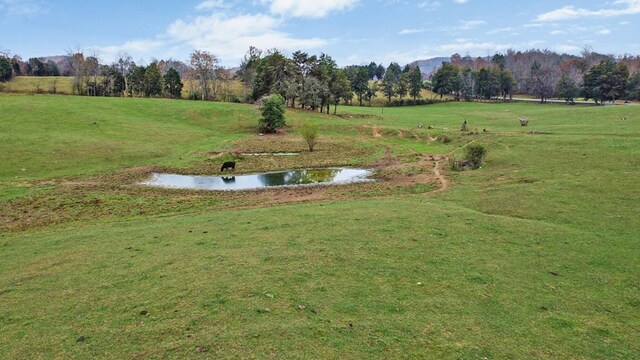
[534, 255]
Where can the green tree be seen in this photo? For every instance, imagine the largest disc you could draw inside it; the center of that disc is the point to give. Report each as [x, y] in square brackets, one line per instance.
[113, 82]
[361, 83]
[446, 80]
[273, 111]
[6, 71]
[172, 83]
[324, 70]
[153, 83]
[340, 89]
[499, 60]
[310, 134]
[273, 73]
[402, 86]
[633, 87]
[380, 71]
[567, 88]
[372, 68]
[136, 80]
[606, 81]
[372, 89]
[35, 67]
[303, 64]
[488, 83]
[415, 82]
[507, 84]
[51, 68]
[391, 79]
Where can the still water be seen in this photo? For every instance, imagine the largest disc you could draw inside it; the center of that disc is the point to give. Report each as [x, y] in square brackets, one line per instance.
[257, 181]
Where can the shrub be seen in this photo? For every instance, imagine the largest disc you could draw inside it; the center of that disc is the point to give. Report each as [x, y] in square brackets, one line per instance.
[272, 114]
[475, 154]
[411, 102]
[474, 157]
[310, 134]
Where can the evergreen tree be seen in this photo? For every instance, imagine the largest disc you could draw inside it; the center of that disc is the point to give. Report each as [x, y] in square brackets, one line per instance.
[6, 71]
[272, 114]
[567, 88]
[415, 82]
[153, 82]
[172, 83]
[391, 79]
[446, 80]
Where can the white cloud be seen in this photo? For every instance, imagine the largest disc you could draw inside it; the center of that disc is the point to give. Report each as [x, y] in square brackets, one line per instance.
[310, 8]
[429, 5]
[570, 12]
[567, 49]
[212, 4]
[558, 32]
[19, 7]
[470, 46]
[405, 57]
[604, 32]
[460, 1]
[230, 37]
[506, 30]
[140, 48]
[410, 31]
[471, 24]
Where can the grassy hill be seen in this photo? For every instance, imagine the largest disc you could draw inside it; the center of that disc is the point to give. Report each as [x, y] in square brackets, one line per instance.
[534, 255]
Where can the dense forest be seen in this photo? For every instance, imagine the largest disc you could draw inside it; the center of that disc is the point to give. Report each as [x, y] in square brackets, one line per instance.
[316, 82]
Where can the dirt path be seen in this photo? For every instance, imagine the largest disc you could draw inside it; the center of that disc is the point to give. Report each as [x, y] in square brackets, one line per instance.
[438, 162]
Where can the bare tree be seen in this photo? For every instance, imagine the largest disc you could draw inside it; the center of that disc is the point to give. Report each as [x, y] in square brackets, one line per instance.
[204, 65]
[76, 64]
[124, 65]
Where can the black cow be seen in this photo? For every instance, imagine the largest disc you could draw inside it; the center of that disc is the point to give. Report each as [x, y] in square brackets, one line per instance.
[228, 165]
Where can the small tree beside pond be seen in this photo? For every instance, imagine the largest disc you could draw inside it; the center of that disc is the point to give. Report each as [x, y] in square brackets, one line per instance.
[310, 134]
[272, 114]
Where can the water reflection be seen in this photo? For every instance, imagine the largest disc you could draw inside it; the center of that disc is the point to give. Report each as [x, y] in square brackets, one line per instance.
[243, 182]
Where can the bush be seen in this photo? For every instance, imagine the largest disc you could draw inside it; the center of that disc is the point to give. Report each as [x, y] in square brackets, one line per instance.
[310, 134]
[475, 154]
[411, 102]
[474, 157]
[272, 114]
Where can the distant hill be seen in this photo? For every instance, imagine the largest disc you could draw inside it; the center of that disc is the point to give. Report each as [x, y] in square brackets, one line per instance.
[63, 62]
[430, 65]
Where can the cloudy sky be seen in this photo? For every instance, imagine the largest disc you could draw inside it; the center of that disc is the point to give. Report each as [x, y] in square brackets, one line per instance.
[351, 31]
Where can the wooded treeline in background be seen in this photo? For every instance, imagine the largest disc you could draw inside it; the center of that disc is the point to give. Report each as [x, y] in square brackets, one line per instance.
[317, 83]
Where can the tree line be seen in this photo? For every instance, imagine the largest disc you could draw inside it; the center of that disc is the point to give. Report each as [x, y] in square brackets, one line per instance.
[316, 82]
[541, 74]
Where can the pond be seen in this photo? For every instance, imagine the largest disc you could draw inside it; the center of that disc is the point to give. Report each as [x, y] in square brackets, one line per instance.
[257, 181]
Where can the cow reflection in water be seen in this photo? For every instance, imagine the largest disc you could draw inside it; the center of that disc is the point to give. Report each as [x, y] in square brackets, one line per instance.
[229, 179]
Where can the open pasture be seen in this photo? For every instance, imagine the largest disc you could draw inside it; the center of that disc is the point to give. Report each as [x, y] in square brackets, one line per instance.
[534, 255]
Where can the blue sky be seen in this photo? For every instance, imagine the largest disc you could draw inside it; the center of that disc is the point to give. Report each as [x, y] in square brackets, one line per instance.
[351, 31]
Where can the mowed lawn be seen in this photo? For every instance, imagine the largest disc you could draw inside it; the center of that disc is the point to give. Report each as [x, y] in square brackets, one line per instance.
[535, 255]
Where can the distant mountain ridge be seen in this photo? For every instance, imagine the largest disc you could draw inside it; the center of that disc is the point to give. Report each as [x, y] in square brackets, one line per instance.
[428, 66]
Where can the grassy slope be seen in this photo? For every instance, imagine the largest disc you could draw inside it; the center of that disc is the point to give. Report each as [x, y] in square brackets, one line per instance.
[52, 136]
[232, 281]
